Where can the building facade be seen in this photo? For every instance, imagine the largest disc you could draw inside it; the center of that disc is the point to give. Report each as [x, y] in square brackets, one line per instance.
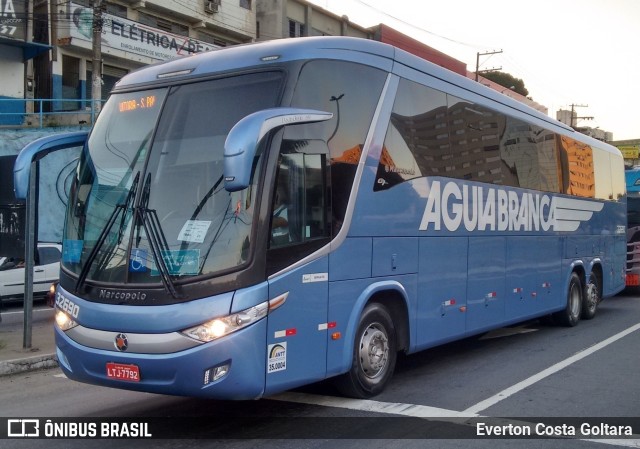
[277, 19]
[138, 33]
[50, 57]
[135, 33]
[16, 59]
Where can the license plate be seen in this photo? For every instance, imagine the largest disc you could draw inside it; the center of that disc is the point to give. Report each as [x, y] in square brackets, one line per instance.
[120, 371]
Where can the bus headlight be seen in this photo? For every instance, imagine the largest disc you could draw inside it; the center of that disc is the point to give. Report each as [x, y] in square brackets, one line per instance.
[226, 325]
[64, 321]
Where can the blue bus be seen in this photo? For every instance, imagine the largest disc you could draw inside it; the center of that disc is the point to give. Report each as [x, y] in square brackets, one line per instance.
[250, 220]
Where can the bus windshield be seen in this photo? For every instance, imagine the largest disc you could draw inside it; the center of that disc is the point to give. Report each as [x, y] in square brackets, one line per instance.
[148, 200]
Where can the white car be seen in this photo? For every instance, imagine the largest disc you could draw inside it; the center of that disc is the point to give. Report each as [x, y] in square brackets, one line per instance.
[46, 270]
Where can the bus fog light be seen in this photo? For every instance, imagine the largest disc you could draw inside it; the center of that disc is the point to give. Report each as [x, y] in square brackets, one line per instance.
[216, 373]
[219, 327]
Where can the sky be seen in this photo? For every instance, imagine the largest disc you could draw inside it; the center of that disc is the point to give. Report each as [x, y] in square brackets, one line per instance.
[581, 52]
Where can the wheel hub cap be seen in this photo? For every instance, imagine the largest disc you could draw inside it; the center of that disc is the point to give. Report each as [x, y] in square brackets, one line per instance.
[374, 351]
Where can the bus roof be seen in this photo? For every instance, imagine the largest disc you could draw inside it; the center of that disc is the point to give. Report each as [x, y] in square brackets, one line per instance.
[370, 52]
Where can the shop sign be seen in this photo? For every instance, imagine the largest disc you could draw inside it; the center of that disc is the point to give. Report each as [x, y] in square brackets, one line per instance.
[133, 37]
[630, 151]
[12, 19]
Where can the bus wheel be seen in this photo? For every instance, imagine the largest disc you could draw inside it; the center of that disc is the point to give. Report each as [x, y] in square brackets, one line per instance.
[374, 355]
[571, 313]
[591, 297]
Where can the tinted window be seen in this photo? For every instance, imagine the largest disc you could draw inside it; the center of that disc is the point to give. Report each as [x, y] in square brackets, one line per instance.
[299, 217]
[417, 140]
[617, 181]
[547, 159]
[351, 92]
[435, 134]
[476, 135]
[299, 205]
[578, 170]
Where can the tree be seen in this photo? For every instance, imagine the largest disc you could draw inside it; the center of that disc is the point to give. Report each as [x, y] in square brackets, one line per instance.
[507, 80]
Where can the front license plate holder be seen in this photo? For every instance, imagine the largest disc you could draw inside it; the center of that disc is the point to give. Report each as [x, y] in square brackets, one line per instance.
[123, 371]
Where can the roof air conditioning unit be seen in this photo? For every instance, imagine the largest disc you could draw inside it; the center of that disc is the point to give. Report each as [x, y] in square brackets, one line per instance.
[211, 6]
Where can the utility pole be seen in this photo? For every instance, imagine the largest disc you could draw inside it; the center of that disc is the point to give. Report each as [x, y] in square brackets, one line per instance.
[478, 71]
[29, 88]
[573, 120]
[96, 65]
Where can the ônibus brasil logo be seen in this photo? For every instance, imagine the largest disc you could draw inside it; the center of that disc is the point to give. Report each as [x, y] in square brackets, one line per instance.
[490, 209]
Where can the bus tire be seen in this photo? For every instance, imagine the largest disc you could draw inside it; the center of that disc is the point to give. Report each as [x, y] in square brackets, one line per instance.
[571, 314]
[591, 297]
[374, 354]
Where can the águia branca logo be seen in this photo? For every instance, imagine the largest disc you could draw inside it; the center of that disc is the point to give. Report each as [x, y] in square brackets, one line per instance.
[478, 208]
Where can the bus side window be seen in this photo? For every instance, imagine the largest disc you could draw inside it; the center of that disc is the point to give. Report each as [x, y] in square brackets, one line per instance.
[298, 201]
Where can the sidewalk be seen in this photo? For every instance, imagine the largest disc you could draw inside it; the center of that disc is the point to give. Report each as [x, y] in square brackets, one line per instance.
[14, 358]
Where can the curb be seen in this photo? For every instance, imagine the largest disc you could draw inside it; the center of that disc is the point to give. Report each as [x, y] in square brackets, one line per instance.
[38, 362]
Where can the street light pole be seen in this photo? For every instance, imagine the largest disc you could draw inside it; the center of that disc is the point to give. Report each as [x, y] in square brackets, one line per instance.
[30, 245]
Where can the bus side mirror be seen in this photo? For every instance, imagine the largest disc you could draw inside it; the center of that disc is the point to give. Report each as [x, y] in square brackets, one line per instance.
[245, 137]
[36, 150]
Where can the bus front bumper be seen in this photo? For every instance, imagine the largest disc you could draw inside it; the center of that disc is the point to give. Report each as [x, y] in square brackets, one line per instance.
[233, 367]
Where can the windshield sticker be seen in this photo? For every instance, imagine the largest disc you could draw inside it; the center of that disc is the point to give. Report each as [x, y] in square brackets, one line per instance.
[277, 357]
[194, 231]
[181, 262]
[138, 260]
[72, 250]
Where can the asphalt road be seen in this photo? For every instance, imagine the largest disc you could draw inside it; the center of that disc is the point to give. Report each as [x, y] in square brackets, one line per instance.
[531, 373]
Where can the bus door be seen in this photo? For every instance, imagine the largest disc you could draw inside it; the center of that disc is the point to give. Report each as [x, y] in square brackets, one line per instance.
[297, 330]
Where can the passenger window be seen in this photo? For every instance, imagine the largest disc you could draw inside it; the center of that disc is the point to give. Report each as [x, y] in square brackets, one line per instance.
[417, 140]
[602, 175]
[476, 136]
[579, 175]
[547, 160]
[618, 182]
[519, 152]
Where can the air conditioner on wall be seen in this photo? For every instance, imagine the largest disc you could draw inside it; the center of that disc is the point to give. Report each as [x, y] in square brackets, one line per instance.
[211, 6]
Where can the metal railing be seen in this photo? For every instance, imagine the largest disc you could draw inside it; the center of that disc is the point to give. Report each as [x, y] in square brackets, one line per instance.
[46, 112]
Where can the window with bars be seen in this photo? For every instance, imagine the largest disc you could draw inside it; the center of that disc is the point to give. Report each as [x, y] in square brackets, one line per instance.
[296, 29]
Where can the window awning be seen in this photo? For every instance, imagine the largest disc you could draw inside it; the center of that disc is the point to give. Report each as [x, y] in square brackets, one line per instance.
[29, 49]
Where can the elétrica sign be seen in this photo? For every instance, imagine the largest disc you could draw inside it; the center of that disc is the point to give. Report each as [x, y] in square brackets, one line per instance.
[133, 37]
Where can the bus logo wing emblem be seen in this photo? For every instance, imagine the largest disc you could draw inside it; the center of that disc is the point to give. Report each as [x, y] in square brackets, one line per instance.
[569, 213]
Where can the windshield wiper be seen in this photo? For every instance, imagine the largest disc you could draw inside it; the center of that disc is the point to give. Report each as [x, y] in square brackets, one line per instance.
[121, 207]
[206, 198]
[157, 240]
